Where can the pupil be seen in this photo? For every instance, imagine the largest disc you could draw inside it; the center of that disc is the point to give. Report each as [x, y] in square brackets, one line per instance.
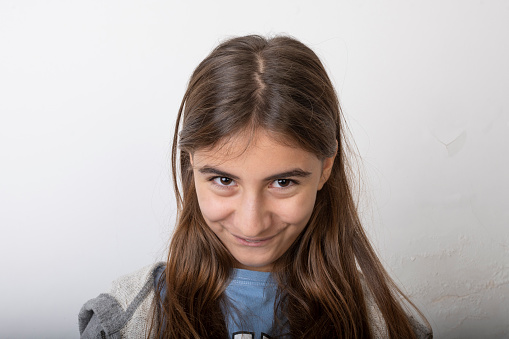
[282, 182]
[225, 180]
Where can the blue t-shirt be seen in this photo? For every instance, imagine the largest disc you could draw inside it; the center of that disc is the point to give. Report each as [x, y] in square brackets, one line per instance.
[251, 295]
[251, 313]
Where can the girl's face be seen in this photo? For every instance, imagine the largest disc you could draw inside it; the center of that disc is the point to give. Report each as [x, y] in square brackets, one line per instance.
[257, 200]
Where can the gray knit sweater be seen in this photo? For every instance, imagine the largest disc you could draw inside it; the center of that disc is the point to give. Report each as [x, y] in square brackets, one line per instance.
[125, 311]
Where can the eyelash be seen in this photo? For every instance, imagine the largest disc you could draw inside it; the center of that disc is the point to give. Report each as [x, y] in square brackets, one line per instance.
[215, 180]
[290, 183]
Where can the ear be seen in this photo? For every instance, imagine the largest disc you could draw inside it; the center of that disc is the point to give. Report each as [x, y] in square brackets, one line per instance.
[327, 165]
[190, 159]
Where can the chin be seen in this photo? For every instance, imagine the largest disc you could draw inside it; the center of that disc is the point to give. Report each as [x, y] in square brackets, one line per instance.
[255, 266]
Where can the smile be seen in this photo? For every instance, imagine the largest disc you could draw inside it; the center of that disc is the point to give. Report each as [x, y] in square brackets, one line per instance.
[253, 242]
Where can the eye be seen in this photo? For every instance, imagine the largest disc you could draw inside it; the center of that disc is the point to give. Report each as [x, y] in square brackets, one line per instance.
[223, 181]
[283, 183]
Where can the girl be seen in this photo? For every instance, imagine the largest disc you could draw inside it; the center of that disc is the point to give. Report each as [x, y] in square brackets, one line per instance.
[268, 242]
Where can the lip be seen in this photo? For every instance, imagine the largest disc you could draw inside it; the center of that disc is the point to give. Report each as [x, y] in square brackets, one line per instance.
[253, 242]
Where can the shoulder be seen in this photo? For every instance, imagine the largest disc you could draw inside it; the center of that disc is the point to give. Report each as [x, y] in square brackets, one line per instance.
[377, 321]
[125, 310]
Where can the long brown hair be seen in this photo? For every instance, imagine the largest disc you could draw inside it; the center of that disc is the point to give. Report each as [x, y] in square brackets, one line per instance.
[278, 85]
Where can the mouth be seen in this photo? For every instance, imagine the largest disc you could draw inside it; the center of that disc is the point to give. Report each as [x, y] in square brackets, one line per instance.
[253, 242]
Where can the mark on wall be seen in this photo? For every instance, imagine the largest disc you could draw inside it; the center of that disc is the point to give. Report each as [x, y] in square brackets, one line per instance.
[455, 145]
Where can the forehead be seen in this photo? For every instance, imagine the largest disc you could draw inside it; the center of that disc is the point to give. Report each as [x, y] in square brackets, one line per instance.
[261, 149]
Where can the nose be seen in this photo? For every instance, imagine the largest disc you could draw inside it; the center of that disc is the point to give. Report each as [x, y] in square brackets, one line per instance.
[252, 218]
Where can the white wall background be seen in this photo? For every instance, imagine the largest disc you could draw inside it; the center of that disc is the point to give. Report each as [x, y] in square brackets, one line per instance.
[89, 91]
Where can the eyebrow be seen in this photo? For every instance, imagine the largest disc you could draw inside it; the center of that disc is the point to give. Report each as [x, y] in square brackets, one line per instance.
[296, 172]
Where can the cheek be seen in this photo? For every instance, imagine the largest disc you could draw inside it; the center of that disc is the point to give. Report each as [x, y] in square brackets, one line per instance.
[296, 211]
[212, 207]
